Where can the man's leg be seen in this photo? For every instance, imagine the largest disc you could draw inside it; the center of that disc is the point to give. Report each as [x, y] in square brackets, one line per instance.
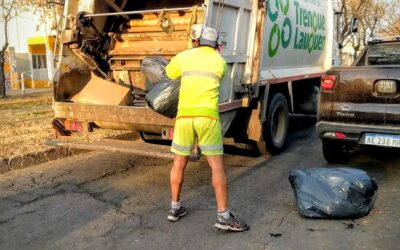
[211, 144]
[219, 181]
[225, 219]
[176, 176]
[182, 146]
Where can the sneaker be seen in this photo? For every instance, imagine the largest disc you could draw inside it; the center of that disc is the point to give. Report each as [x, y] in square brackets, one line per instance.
[176, 214]
[231, 224]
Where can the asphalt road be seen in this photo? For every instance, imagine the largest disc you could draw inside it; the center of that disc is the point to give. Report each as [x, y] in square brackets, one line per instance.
[117, 201]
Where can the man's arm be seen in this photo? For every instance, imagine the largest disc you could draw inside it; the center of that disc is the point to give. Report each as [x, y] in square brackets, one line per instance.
[173, 69]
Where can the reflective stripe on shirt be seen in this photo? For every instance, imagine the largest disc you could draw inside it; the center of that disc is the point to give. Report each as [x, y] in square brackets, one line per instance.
[201, 73]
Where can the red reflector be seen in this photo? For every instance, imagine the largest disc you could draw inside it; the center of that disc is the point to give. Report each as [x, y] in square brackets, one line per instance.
[79, 126]
[340, 135]
[328, 82]
[74, 126]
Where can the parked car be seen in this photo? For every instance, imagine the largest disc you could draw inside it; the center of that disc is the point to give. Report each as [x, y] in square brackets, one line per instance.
[360, 105]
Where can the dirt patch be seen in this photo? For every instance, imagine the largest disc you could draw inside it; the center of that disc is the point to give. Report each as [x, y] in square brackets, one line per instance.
[31, 159]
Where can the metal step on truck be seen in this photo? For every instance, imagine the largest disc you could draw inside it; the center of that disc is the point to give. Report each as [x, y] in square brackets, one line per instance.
[276, 52]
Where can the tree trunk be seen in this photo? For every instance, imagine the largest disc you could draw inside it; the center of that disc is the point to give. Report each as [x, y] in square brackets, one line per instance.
[355, 54]
[2, 76]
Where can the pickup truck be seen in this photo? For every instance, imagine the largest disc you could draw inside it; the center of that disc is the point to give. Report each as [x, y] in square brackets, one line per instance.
[360, 105]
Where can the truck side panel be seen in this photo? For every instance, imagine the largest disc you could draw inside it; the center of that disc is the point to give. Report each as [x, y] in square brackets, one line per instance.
[297, 39]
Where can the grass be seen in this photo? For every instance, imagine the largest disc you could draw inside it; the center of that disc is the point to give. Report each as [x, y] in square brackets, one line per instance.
[25, 122]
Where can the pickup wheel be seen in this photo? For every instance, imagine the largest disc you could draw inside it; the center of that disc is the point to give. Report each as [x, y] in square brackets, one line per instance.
[277, 123]
[335, 151]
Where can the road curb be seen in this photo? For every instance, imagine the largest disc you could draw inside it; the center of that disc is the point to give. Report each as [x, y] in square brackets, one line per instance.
[31, 159]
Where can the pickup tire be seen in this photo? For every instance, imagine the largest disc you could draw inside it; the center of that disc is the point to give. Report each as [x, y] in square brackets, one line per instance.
[277, 123]
[335, 151]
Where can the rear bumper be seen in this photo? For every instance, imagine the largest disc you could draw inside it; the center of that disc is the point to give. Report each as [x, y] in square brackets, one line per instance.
[114, 117]
[353, 132]
[129, 117]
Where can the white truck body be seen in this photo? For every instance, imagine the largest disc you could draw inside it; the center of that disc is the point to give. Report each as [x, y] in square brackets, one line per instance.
[299, 43]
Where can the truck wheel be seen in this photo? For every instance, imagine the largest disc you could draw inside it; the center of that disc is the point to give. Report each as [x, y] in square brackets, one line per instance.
[335, 151]
[277, 123]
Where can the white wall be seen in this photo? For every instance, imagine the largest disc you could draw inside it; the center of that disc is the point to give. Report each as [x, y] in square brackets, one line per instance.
[21, 28]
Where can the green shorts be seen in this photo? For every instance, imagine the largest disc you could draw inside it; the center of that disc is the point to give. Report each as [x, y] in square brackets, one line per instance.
[207, 130]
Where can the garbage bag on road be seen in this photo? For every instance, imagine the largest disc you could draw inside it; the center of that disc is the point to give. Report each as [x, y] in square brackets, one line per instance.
[164, 97]
[333, 192]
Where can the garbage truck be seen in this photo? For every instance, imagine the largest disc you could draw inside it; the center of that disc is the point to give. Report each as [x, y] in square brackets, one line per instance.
[276, 53]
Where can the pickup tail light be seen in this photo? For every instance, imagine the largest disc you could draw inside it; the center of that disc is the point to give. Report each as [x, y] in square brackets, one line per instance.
[340, 135]
[328, 82]
[335, 135]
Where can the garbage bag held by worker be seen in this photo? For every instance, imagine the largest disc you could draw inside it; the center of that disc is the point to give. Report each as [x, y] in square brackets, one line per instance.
[333, 192]
[164, 97]
[153, 69]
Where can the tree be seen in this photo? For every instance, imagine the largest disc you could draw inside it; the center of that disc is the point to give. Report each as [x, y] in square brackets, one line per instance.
[371, 16]
[8, 13]
[346, 10]
[393, 27]
[9, 9]
[392, 20]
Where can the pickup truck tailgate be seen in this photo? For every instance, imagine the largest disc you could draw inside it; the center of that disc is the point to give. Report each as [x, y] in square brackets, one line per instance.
[354, 97]
[393, 101]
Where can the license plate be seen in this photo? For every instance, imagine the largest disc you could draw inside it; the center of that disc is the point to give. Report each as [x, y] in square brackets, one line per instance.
[382, 140]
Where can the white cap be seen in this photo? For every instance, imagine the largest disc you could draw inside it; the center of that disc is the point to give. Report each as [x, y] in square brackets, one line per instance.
[209, 37]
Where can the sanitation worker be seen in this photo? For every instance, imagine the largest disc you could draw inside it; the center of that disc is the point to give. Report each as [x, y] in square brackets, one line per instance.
[201, 70]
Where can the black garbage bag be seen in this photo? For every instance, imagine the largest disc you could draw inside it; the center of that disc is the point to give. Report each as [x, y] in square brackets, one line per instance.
[153, 69]
[333, 192]
[164, 97]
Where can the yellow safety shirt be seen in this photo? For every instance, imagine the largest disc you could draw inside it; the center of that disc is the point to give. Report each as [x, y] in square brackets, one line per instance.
[201, 70]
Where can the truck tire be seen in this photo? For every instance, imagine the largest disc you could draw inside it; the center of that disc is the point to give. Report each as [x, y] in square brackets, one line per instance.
[335, 151]
[277, 123]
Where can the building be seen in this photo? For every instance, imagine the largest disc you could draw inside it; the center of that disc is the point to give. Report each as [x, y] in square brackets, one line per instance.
[26, 60]
[41, 50]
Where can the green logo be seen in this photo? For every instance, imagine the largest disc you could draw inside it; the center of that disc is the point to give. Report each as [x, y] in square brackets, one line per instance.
[308, 31]
[280, 36]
